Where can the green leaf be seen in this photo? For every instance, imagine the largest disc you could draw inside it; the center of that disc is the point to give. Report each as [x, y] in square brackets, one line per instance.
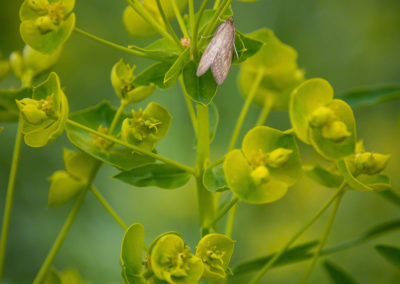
[172, 75]
[200, 89]
[52, 277]
[79, 164]
[391, 196]
[159, 175]
[337, 274]
[390, 253]
[297, 253]
[206, 18]
[154, 74]
[213, 119]
[94, 117]
[136, 25]
[9, 111]
[245, 47]
[214, 179]
[63, 188]
[132, 254]
[323, 176]
[371, 95]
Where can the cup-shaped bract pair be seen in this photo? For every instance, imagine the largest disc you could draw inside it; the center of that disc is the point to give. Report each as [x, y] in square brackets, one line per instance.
[43, 117]
[65, 185]
[280, 73]
[122, 79]
[322, 121]
[265, 167]
[138, 27]
[146, 127]
[31, 63]
[46, 24]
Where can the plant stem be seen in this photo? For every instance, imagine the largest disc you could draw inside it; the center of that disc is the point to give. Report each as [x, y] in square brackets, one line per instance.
[138, 7]
[196, 26]
[191, 16]
[140, 53]
[213, 23]
[9, 198]
[206, 199]
[245, 109]
[222, 213]
[216, 4]
[231, 221]
[133, 147]
[179, 18]
[324, 237]
[167, 24]
[262, 118]
[116, 118]
[107, 206]
[189, 104]
[269, 264]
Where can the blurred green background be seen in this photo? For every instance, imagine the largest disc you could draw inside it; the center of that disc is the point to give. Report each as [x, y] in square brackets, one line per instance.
[349, 43]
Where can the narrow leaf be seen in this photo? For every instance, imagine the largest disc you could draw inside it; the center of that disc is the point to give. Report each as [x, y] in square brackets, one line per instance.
[159, 175]
[371, 95]
[154, 74]
[245, 47]
[337, 274]
[323, 176]
[390, 253]
[172, 75]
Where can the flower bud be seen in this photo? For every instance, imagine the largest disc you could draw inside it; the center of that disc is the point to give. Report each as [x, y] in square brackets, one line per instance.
[31, 111]
[321, 117]
[63, 188]
[17, 63]
[278, 157]
[335, 131]
[260, 175]
[370, 163]
[45, 24]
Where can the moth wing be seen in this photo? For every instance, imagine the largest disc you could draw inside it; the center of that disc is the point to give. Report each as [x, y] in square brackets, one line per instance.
[211, 50]
[223, 60]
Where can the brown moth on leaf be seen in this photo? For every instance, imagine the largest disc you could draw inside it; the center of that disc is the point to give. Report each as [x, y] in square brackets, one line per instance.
[218, 53]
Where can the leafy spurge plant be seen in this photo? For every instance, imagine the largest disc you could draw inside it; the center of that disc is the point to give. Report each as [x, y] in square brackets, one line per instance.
[261, 171]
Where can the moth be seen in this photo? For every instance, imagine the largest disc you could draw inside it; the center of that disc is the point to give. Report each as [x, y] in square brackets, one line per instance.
[218, 53]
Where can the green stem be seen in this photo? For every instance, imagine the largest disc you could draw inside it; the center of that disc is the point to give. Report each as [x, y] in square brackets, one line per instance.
[116, 118]
[167, 24]
[269, 264]
[140, 53]
[133, 147]
[231, 221]
[178, 16]
[262, 118]
[206, 199]
[216, 4]
[196, 26]
[9, 198]
[189, 104]
[322, 242]
[245, 109]
[107, 206]
[191, 16]
[222, 213]
[138, 7]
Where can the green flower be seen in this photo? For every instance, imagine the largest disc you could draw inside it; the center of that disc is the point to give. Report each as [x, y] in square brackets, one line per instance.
[215, 250]
[44, 116]
[146, 127]
[281, 75]
[265, 167]
[172, 261]
[46, 25]
[318, 119]
[122, 80]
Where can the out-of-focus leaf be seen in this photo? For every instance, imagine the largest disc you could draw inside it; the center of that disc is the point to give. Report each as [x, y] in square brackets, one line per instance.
[159, 175]
[200, 89]
[391, 196]
[52, 277]
[102, 116]
[371, 95]
[214, 179]
[323, 176]
[245, 47]
[337, 274]
[390, 253]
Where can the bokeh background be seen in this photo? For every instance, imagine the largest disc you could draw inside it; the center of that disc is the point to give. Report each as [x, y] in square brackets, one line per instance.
[349, 43]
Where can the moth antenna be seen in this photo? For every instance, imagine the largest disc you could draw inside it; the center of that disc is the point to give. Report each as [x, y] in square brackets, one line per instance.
[236, 52]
